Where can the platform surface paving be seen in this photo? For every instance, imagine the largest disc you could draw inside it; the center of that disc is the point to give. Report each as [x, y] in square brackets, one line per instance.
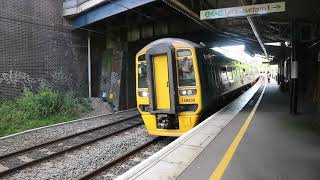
[276, 145]
[171, 161]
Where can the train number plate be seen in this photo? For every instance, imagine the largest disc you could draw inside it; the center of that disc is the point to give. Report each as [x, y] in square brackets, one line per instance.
[188, 100]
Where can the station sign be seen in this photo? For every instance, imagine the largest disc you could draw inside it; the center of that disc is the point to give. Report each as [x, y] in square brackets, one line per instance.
[257, 9]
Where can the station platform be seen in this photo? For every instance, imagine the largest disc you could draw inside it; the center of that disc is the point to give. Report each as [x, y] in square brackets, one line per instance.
[253, 137]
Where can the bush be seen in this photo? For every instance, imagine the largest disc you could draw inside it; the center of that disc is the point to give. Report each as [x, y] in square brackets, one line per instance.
[31, 108]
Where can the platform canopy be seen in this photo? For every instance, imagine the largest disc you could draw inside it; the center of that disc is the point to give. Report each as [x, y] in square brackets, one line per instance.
[86, 14]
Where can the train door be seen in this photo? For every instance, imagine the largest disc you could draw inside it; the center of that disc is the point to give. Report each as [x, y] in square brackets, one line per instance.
[161, 82]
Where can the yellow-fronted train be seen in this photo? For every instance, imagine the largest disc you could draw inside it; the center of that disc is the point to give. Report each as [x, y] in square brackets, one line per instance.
[177, 80]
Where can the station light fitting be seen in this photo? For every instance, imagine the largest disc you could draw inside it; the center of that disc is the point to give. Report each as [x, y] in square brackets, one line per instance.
[273, 44]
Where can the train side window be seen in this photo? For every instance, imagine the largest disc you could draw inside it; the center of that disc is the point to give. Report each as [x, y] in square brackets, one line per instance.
[224, 73]
[229, 73]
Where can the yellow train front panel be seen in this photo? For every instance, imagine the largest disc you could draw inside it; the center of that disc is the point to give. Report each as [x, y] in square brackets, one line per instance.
[185, 124]
[187, 96]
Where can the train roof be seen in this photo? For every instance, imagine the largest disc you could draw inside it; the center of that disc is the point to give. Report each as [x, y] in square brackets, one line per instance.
[172, 41]
[184, 42]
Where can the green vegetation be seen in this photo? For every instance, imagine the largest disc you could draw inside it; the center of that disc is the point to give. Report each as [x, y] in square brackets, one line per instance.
[43, 108]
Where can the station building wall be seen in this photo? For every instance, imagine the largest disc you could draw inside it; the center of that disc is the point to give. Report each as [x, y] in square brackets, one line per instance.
[309, 72]
[39, 49]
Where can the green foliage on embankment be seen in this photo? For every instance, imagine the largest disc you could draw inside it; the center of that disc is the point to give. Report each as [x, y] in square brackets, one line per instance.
[34, 110]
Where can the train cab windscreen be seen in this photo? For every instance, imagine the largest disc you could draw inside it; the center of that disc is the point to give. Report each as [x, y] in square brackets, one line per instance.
[185, 69]
[142, 73]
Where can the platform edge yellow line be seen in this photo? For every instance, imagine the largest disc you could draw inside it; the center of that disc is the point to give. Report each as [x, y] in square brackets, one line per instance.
[223, 164]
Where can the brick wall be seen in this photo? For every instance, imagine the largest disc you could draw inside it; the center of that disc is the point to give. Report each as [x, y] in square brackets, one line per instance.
[38, 49]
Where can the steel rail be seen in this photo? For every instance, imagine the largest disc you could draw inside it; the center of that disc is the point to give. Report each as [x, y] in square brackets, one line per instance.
[64, 138]
[36, 161]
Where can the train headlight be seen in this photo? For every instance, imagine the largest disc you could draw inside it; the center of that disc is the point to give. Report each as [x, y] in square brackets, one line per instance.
[143, 94]
[188, 92]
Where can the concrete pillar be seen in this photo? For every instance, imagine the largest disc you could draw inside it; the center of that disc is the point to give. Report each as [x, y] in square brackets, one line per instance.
[294, 69]
[317, 86]
[281, 64]
[112, 67]
[89, 66]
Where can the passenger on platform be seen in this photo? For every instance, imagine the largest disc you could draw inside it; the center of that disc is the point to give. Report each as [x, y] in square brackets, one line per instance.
[268, 76]
[263, 77]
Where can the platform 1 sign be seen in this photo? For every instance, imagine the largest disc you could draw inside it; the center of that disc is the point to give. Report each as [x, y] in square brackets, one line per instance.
[257, 9]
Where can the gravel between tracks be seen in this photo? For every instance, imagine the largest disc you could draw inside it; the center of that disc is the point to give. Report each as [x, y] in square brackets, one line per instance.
[32, 138]
[79, 162]
[133, 160]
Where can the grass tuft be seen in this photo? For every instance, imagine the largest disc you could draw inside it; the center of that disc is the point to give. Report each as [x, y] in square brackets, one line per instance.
[34, 110]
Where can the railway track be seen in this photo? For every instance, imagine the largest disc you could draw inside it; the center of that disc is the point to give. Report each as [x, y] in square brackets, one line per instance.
[28, 157]
[119, 159]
